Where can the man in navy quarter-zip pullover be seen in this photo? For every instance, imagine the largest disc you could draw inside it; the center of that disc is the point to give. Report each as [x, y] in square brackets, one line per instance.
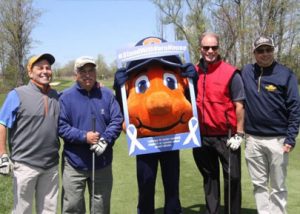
[272, 118]
[81, 104]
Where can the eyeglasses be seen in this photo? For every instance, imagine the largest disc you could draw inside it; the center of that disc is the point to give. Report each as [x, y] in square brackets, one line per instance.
[87, 71]
[264, 50]
[206, 48]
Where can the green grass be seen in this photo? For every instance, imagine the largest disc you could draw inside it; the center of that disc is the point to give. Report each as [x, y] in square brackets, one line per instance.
[63, 84]
[124, 195]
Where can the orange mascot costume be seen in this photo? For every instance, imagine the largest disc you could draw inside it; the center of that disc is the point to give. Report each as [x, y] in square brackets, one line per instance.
[157, 105]
[156, 101]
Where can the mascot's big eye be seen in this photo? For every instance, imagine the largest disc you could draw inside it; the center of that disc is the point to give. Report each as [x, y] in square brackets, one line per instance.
[142, 84]
[170, 81]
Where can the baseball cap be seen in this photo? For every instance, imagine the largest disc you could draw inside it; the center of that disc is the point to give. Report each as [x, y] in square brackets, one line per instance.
[263, 40]
[82, 61]
[170, 60]
[37, 58]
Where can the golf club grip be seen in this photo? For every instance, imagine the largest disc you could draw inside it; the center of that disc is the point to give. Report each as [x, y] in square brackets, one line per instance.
[94, 124]
[229, 133]
[228, 124]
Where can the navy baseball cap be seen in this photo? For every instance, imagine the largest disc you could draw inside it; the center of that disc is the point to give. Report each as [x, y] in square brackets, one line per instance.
[170, 60]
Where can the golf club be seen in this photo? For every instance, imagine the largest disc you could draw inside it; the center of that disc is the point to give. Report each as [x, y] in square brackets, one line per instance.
[229, 165]
[229, 172]
[93, 171]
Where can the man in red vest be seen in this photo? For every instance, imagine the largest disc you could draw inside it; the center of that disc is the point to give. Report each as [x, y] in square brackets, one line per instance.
[220, 98]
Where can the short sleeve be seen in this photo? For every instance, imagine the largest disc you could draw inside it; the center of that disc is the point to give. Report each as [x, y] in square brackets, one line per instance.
[9, 109]
[237, 88]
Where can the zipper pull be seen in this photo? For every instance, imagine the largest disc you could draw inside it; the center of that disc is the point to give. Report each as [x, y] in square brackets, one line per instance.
[259, 79]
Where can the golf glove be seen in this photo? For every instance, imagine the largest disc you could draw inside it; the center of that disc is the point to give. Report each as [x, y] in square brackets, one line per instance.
[99, 147]
[235, 142]
[5, 165]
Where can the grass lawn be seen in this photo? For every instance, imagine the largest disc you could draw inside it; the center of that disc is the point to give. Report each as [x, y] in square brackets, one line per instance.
[124, 195]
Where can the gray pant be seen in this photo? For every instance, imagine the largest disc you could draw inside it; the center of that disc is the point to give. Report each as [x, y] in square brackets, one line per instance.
[32, 182]
[74, 185]
[267, 165]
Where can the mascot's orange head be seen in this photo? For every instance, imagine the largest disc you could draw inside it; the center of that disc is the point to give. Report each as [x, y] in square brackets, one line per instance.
[156, 99]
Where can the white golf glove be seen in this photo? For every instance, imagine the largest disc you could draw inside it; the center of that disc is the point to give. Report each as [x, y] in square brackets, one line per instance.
[99, 147]
[235, 142]
[5, 165]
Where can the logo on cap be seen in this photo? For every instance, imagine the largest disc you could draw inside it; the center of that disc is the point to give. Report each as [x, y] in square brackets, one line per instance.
[262, 40]
[152, 40]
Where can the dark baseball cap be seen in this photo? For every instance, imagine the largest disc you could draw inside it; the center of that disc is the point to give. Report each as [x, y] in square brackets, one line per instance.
[169, 60]
[262, 40]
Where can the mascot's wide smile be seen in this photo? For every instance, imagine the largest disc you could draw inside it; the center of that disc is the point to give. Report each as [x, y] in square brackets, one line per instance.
[141, 125]
[156, 101]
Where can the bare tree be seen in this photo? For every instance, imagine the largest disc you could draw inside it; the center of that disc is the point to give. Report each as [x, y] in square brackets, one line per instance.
[160, 24]
[238, 22]
[103, 71]
[67, 70]
[227, 24]
[3, 54]
[187, 17]
[17, 20]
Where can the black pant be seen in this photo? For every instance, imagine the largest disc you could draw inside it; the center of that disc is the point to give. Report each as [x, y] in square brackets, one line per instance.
[146, 176]
[207, 158]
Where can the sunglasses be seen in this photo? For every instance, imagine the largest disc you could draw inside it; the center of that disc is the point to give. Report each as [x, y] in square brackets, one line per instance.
[264, 50]
[214, 48]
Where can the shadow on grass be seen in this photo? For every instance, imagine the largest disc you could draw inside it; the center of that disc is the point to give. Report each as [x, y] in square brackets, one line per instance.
[200, 208]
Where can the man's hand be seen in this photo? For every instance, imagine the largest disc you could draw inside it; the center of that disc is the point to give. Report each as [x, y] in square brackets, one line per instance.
[287, 148]
[92, 137]
[99, 147]
[5, 165]
[234, 142]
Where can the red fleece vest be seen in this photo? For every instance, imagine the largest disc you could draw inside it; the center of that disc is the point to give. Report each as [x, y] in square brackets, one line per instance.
[215, 108]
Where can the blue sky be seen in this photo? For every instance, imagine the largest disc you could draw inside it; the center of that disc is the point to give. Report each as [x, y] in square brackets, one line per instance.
[72, 28]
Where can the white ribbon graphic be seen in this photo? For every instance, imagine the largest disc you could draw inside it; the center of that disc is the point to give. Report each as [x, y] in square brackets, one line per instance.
[132, 134]
[192, 135]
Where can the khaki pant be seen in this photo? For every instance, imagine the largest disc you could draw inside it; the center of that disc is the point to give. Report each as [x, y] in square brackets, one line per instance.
[267, 165]
[32, 182]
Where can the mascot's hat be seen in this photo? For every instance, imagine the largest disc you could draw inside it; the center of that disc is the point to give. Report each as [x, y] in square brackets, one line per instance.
[171, 60]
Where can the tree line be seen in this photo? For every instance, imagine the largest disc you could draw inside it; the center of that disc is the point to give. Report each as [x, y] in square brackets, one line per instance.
[104, 71]
[238, 22]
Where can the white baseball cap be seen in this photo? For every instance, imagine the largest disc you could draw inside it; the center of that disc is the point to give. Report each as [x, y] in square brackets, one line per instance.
[82, 61]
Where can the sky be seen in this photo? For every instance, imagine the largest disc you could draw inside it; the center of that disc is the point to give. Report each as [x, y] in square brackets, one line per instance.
[72, 28]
